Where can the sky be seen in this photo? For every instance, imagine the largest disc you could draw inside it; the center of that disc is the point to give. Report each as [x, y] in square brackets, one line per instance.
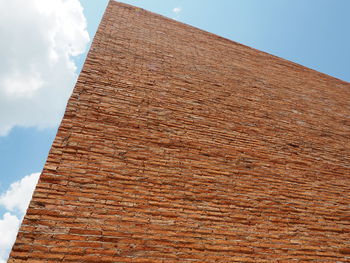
[43, 45]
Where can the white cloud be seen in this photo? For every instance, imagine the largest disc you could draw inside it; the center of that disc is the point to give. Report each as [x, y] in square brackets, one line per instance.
[37, 73]
[9, 225]
[18, 196]
[15, 199]
[177, 10]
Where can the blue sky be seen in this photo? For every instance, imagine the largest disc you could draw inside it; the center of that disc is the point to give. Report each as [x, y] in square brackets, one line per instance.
[314, 33]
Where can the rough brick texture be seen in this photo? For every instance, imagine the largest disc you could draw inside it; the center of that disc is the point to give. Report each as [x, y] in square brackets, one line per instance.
[181, 146]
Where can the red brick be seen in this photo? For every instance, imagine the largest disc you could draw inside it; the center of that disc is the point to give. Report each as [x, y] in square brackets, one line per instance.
[180, 145]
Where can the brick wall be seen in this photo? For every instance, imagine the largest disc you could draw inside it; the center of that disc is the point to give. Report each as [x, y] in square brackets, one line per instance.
[178, 145]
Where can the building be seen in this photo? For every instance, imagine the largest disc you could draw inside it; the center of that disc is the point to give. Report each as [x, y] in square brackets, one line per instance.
[178, 145]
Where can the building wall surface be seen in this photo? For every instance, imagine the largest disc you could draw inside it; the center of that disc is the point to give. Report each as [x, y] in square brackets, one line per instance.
[178, 145]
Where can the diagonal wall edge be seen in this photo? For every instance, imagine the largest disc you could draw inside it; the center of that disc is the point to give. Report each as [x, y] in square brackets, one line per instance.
[178, 145]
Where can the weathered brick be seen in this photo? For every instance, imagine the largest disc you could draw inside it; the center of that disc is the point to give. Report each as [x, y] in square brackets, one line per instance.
[181, 146]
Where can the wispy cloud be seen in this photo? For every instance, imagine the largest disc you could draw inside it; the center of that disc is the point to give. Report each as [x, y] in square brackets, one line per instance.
[15, 200]
[177, 10]
[9, 225]
[37, 72]
[17, 197]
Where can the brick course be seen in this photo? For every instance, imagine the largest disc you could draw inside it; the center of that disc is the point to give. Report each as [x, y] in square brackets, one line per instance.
[178, 145]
